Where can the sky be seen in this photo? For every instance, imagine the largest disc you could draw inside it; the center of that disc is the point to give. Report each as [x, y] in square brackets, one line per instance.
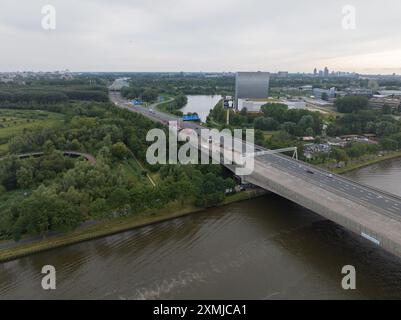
[201, 35]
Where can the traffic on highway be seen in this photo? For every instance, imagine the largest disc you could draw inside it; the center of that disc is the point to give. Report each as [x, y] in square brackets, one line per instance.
[365, 195]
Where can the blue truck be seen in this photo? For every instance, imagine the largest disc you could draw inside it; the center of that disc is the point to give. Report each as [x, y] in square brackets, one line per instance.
[137, 102]
[192, 117]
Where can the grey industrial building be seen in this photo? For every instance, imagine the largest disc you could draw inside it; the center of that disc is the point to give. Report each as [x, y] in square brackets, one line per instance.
[251, 85]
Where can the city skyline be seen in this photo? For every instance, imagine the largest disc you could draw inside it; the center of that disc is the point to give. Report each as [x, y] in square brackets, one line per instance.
[200, 36]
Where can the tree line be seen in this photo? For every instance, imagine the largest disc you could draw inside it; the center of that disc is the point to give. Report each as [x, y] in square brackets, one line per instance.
[54, 193]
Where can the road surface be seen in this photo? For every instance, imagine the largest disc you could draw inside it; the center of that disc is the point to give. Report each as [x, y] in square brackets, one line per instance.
[390, 204]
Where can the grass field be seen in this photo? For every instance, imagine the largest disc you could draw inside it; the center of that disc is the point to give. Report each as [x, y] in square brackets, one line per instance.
[13, 122]
[132, 170]
[269, 134]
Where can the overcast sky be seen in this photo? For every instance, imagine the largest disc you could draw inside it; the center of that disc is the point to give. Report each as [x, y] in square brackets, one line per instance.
[201, 35]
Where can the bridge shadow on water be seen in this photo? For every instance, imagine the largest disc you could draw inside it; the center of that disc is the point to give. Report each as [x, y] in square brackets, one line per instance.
[327, 247]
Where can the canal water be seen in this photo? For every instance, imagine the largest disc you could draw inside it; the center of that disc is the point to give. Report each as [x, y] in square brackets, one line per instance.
[266, 248]
[201, 104]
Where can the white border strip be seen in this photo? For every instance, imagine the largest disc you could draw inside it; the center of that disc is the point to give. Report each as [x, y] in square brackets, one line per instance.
[370, 238]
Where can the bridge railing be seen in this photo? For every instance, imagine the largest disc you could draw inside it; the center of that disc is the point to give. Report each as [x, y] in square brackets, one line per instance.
[344, 178]
[374, 189]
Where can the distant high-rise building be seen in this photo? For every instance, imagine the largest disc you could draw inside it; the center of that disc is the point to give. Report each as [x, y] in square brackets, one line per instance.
[326, 72]
[315, 72]
[251, 85]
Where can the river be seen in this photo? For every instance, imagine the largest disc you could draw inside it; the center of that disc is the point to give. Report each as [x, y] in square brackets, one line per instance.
[201, 104]
[265, 248]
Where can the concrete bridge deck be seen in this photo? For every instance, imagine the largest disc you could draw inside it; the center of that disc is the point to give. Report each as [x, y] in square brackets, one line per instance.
[367, 211]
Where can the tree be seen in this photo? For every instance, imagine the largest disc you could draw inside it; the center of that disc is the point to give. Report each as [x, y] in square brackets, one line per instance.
[356, 150]
[119, 150]
[45, 211]
[339, 154]
[25, 177]
[212, 191]
[259, 123]
[309, 132]
[389, 144]
[119, 198]
[48, 147]
[276, 111]
[185, 189]
[306, 122]
[351, 104]
[99, 209]
[289, 127]
[2, 190]
[384, 128]
[264, 123]
[75, 145]
[149, 95]
[8, 169]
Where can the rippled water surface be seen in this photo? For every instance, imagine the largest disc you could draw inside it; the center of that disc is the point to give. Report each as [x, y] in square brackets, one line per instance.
[266, 248]
[201, 104]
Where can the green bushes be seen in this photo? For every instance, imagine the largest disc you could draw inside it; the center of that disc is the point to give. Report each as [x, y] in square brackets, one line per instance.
[56, 193]
[351, 104]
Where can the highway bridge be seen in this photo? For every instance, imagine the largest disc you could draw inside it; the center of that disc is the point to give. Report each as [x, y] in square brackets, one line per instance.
[371, 213]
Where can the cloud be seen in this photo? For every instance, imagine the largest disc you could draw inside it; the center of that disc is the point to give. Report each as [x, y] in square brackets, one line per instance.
[193, 35]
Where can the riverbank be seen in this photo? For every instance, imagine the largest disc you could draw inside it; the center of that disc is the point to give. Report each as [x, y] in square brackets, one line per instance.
[110, 227]
[367, 163]
[172, 211]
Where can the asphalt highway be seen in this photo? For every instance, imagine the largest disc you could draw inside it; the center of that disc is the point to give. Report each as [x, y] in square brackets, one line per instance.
[368, 196]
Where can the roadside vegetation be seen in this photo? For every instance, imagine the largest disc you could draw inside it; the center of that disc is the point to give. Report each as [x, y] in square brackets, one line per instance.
[149, 86]
[54, 193]
[175, 105]
[174, 89]
[277, 127]
[14, 122]
[57, 194]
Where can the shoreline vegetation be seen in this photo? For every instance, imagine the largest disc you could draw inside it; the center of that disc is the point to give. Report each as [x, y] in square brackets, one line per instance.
[367, 163]
[173, 210]
[149, 217]
[309, 123]
[115, 226]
